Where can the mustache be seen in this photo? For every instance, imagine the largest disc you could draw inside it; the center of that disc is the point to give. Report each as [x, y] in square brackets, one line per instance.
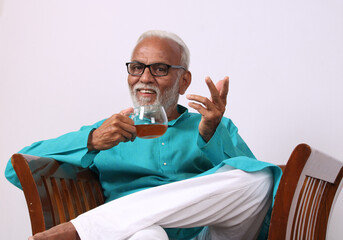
[148, 86]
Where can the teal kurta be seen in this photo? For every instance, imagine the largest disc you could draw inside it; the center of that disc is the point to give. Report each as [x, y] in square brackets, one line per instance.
[179, 154]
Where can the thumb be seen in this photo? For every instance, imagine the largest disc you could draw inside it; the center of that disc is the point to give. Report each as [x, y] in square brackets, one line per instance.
[126, 112]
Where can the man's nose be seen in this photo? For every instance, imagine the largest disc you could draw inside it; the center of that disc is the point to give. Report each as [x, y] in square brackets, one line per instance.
[146, 76]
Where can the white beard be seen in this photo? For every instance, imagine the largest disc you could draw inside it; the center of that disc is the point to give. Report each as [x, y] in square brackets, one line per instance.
[168, 99]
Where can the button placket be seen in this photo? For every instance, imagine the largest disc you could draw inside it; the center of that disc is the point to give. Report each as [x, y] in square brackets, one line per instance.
[163, 152]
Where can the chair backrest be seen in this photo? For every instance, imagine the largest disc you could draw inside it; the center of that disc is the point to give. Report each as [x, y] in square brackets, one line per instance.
[308, 189]
[55, 192]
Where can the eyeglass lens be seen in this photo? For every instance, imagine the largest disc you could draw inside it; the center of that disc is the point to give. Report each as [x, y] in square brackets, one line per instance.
[156, 69]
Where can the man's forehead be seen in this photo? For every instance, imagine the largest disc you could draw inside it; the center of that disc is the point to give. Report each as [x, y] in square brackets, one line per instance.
[155, 47]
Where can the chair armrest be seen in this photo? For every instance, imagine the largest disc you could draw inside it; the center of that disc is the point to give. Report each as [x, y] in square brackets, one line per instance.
[55, 192]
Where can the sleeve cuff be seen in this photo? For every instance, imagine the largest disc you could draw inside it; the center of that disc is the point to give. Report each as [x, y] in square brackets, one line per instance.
[88, 158]
[214, 148]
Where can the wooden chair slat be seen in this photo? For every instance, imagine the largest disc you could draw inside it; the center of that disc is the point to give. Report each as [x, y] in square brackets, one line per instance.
[54, 191]
[84, 195]
[70, 213]
[76, 198]
[58, 199]
[309, 186]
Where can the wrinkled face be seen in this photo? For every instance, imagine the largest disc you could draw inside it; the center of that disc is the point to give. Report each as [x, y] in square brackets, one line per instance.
[148, 89]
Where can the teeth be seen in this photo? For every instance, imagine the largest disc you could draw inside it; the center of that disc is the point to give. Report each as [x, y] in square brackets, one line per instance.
[146, 91]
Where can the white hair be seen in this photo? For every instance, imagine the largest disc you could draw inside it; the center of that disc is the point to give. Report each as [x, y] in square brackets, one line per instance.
[185, 54]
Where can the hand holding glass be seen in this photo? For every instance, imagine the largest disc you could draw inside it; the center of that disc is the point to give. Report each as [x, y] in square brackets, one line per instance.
[150, 120]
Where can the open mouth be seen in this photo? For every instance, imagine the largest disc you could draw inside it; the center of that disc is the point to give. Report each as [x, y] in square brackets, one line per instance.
[146, 91]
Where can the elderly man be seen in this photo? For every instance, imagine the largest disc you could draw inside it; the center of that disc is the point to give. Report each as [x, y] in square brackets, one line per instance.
[199, 180]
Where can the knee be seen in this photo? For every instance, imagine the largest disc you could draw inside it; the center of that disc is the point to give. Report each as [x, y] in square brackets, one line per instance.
[153, 232]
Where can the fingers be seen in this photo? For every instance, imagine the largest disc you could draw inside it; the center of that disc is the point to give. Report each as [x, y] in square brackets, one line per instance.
[118, 128]
[218, 95]
[126, 112]
[211, 109]
[128, 131]
[213, 90]
[197, 107]
[123, 127]
[200, 99]
[223, 89]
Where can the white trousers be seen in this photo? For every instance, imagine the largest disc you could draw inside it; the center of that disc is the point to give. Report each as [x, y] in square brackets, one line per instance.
[153, 232]
[233, 203]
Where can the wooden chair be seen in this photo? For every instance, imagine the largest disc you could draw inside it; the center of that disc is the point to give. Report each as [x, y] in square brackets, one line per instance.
[308, 189]
[55, 192]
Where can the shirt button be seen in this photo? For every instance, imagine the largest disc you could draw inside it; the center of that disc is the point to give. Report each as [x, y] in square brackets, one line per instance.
[162, 144]
[164, 164]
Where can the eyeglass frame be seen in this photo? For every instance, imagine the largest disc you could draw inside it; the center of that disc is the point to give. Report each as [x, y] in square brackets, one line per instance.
[149, 66]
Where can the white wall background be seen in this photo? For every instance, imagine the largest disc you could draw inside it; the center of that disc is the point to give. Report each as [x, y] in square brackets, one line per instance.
[62, 66]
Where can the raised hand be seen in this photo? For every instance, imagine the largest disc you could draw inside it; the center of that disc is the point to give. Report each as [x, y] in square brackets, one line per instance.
[212, 109]
[118, 128]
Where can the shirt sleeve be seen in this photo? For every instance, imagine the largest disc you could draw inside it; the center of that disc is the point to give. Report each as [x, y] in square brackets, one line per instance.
[225, 143]
[70, 148]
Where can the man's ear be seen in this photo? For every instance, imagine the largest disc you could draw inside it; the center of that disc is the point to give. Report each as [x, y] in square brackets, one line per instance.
[185, 81]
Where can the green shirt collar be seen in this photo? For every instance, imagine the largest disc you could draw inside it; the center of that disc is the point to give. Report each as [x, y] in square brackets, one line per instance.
[184, 115]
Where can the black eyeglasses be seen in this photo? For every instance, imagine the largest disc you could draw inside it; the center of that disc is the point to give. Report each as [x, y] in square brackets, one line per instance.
[156, 69]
